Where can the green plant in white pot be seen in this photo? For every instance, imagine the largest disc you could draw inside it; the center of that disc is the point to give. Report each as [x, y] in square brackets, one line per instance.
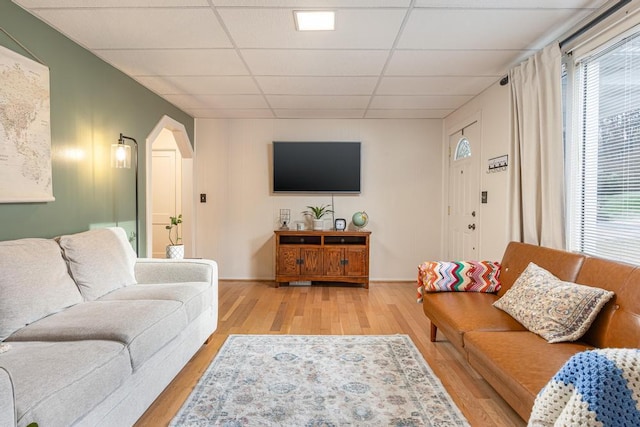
[317, 213]
[176, 249]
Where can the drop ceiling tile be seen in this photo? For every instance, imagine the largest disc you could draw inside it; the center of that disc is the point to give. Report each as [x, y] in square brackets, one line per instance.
[449, 51]
[319, 114]
[408, 114]
[320, 4]
[202, 85]
[419, 102]
[277, 62]
[55, 4]
[463, 85]
[175, 62]
[280, 85]
[511, 4]
[208, 113]
[139, 28]
[451, 63]
[275, 28]
[317, 102]
[218, 101]
[476, 29]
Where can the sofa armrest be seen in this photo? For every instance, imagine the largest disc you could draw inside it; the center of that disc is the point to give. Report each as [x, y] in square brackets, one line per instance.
[150, 270]
[8, 415]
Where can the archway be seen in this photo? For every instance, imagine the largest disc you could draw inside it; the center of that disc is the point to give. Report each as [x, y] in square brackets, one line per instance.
[183, 143]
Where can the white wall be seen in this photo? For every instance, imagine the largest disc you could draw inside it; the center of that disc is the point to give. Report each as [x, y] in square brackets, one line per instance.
[492, 106]
[401, 191]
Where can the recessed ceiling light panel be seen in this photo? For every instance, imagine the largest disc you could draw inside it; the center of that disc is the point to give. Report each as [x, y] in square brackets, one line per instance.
[315, 20]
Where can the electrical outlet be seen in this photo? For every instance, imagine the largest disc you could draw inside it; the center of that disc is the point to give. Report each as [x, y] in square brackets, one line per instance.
[203, 198]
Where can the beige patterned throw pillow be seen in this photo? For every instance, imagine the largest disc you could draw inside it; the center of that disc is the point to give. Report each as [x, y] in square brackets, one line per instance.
[557, 311]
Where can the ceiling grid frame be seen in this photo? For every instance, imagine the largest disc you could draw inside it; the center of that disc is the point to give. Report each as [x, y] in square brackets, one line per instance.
[244, 59]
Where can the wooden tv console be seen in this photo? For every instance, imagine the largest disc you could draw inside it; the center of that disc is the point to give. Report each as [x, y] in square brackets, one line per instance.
[322, 256]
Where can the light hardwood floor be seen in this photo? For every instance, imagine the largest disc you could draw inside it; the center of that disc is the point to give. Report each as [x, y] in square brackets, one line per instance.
[385, 308]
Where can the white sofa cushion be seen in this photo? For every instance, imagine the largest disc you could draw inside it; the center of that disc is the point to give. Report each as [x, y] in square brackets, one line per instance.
[197, 297]
[144, 327]
[62, 381]
[100, 260]
[8, 413]
[34, 283]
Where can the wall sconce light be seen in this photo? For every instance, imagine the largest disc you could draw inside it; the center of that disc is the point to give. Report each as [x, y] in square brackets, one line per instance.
[121, 159]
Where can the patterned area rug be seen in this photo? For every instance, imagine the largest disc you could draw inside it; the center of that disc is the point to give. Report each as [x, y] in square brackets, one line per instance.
[311, 380]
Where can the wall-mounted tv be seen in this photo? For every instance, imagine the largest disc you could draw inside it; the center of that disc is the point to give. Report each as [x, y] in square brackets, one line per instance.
[316, 167]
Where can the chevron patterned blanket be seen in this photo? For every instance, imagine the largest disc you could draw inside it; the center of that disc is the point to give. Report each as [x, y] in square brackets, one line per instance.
[594, 388]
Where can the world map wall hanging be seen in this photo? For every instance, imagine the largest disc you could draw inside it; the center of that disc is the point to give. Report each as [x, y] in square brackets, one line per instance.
[25, 130]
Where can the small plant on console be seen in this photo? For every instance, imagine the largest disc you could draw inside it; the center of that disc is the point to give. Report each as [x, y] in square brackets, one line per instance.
[175, 223]
[317, 212]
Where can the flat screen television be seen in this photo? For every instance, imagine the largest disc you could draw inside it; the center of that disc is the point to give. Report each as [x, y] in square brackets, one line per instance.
[316, 167]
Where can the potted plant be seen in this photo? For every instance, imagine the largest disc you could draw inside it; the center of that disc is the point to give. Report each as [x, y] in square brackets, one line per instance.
[175, 250]
[316, 213]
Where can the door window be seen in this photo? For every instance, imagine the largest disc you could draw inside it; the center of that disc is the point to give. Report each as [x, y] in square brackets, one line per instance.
[463, 149]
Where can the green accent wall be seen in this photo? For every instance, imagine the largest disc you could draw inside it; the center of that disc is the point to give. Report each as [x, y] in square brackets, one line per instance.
[91, 104]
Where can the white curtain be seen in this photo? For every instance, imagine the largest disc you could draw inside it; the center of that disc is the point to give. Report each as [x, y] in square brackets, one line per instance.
[536, 156]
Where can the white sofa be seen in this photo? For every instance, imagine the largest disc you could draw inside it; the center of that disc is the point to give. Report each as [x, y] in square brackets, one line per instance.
[90, 334]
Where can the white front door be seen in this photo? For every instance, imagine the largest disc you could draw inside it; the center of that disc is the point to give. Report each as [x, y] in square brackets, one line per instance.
[464, 193]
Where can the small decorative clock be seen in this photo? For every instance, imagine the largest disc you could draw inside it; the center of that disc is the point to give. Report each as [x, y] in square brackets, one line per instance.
[340, 224]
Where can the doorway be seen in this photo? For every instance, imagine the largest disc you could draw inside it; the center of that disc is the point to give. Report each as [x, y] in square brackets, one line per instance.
[169, 162]
[464, 193]
[166, 174]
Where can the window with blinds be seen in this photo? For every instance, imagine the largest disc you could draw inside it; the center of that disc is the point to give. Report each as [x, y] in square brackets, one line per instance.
[604, 203]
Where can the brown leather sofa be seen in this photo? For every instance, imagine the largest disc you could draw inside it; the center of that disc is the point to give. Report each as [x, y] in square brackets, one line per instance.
[518, 363]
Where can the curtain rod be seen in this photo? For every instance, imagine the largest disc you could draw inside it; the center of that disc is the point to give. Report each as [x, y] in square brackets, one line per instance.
[583, 29]
[598, 19]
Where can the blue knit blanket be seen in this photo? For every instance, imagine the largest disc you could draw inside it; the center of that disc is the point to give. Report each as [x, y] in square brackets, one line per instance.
[594, 388]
